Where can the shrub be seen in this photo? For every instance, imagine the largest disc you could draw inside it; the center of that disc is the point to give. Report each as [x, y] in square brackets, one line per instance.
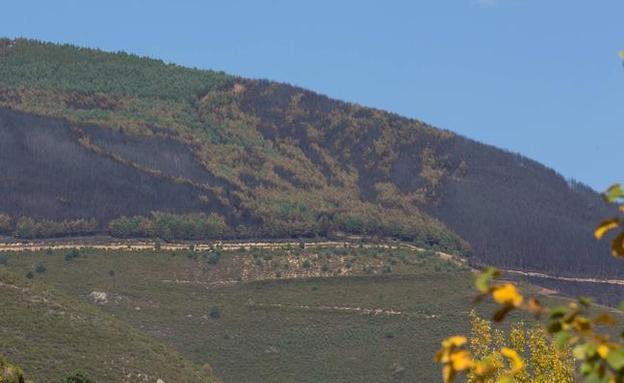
[6, 224]
[306, 264]
[73, 253]
[170, 226]
[215, 312]
[10, 373]
[77, 377]
[25, 228]
[40, 268]
[29, 228]
[30, 275]
[213, 257]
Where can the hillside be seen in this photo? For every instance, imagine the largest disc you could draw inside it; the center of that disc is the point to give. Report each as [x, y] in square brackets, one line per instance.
[341, 313]
[198, 154]
[51, 335]
[281, 315]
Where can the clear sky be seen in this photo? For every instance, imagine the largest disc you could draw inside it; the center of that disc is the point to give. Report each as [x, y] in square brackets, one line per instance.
[539, 77]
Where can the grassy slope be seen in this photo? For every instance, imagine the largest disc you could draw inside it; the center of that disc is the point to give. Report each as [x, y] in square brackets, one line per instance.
[50, 335]
[254, 340]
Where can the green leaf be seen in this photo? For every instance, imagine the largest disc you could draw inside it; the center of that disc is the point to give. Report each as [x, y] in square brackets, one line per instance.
[615, 359]
[554, 327]
[587, 367]
[596, 377]
[614, 193]
[579, 352]
[584, 351]
[558, 312]
[585, 301]
[561, 338]
[484, 278]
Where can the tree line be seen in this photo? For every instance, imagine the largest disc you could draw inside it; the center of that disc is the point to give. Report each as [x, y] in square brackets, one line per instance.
[29, 228]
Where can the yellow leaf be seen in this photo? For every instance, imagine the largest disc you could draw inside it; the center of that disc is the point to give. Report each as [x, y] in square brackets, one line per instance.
[534, 306]
[442, 356]
[483, 369]
[507, 294]
[605, 318]
[622, 55]
[517, 364]
[461, 360]
[603, 351]
[605, 226]
[617, 245]
[581, 323]
[454, 341]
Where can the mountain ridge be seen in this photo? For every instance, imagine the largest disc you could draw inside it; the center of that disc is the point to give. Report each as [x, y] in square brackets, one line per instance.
[275, 160]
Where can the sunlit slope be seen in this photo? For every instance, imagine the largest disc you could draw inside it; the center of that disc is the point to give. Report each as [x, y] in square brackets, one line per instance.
[289, 314]
[51, 335]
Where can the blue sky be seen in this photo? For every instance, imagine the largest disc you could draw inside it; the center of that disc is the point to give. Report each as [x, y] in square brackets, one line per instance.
[538, 77]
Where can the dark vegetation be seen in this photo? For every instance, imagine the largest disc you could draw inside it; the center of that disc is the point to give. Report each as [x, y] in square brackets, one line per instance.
[86, 134]
[30, 228]
[77, 377]
[170, 226]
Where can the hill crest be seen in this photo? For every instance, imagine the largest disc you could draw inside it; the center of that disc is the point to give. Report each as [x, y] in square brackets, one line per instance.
[253, 158]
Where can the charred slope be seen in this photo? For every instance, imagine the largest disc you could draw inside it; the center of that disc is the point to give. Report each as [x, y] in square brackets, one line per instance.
[47, 173]
[123, 135]
[514, 212]
[519, 214]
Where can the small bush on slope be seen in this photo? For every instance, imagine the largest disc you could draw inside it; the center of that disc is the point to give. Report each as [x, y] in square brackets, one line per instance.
[10, 373]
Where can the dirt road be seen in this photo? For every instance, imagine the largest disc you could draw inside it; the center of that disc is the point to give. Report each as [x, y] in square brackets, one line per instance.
[132, 245]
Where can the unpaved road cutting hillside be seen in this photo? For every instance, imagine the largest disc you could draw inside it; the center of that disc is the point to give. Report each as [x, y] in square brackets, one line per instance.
[205, 246]
[270, 245]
